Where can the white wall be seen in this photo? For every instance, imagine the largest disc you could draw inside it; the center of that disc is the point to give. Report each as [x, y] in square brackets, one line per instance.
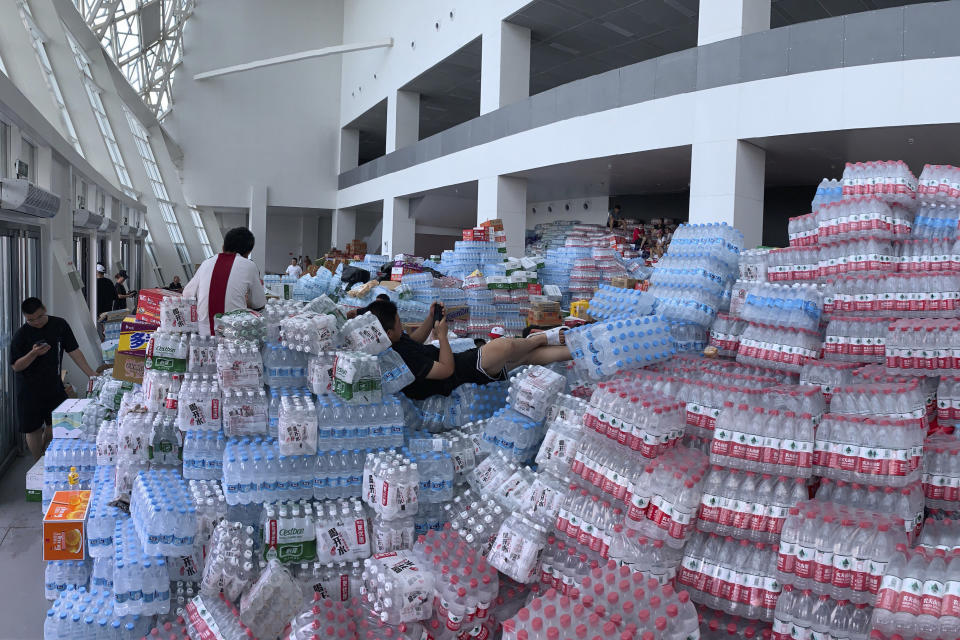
[291, 234]
[277, 127]
[595, 213]
[428, 25]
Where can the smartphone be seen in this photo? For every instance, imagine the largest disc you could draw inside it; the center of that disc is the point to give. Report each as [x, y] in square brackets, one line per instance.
[437, 313]
[42, 343]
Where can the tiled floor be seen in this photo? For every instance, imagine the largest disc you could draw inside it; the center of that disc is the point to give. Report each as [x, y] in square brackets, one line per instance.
[22, 605]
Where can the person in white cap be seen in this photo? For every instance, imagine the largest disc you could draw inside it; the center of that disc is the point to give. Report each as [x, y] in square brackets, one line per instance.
[496, 332]
[106, 291]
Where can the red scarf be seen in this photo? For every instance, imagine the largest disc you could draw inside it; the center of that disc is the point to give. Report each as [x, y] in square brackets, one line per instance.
[217, 299]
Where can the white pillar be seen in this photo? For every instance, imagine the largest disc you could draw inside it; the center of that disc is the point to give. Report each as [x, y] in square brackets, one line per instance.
[349, 149]
[726, 185]
[723, 19]
[504, 67]
[344, 228]
[505, 198]
[399, 230]
[257, 223]
[403, 120]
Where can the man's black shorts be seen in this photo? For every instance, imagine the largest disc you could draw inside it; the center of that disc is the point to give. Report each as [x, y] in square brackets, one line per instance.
[466, 369]
[35, 411]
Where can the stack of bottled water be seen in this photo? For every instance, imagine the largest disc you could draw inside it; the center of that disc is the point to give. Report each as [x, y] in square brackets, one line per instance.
[513, 433]
[905, 503]
[93, 416]
[212, 615]
[941, 473]
[239, 364]
[178, 314]
[102, 517]
[725, 334]
[357, 377]
[792, 264]
[297, 426]
[803, 612]
[747, 505]
[730, 575]
[753, 438]
[199, 403]
[870, 255]
[231, 565]
[936, 220]
[798, 306]
[364, 333]
[785, 348]
[828, 191]
[918, 596]
[203, 354]
[837, 550]
[63, 454]
[612, 302]
[203, 455]
[803, 230]
[394, 372]
[283, 366]
[602, 349]
[211, 507]
[517, 548]
[163, 513]
[871, 450]
[397, 587]
[168, 351]
[923, 346]
[133, 441]
[242, 326]
[391, 485]
[79, 613]
[308, 332]
[244, 411]
[891, 180]
[939, 534]
[856, 339]
[900, 295]
[858, 216]
[254, 470]
[141, 585]
[938, 183]
[59, 574]
[925, 255]
[828, 376]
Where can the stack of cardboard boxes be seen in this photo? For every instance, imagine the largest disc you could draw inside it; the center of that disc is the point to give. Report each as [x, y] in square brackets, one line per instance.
[128, 365]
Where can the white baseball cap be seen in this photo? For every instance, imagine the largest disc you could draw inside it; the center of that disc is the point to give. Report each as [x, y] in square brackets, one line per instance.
[101, 269]
[496, 332]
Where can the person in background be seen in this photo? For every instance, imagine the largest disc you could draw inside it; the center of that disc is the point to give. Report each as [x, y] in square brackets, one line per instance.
[437, 370]
[305, 264]
[106, 291]
[122, 294]
[227, 281]
[613, 217]
[175, 285]
[293, 269]
[36, 352]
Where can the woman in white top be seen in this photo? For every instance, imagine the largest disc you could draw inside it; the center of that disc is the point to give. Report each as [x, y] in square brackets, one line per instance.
[228, 281]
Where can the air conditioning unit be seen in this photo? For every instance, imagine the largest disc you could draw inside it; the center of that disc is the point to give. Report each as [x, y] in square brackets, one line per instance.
[21, 196]
[83, 219]
[141, 234]
[109, 225]
[126, 230]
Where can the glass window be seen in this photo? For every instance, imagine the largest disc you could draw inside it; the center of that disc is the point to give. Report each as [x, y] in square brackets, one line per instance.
[4, 150]
[3, 68]
[154, 263]
[28, 154]
[159, 191]
[37, 39]
[106, 129]
[201, 232]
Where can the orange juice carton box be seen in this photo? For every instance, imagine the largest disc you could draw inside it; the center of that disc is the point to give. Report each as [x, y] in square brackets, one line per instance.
[63, 526]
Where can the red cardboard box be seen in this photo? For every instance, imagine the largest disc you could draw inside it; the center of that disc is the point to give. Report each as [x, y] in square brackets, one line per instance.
[148, 304]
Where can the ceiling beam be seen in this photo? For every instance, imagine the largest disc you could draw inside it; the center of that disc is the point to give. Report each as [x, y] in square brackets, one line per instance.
[293, 57]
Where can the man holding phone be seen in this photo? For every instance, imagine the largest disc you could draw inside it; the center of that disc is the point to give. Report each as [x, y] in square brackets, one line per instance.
[36, 352]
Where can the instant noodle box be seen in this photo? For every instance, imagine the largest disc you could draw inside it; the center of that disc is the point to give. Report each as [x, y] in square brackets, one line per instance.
[148, 304]
[63, 526]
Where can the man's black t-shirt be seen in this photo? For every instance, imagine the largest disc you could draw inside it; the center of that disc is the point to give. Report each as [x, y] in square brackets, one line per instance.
[120, 303]
[42, 377]
[106, 295]
[419, 358]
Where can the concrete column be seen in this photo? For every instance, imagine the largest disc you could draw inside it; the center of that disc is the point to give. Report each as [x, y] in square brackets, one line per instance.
[723, 19]
[399, 229]
[258, 225]
[726, 185]
[349, 149]
[505, 198]
[343, 228]
[403, 120]
[505, 67]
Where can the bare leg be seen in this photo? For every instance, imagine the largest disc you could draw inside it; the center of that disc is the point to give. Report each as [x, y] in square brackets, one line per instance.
[548, 355]
[497, 353]
[35, 442]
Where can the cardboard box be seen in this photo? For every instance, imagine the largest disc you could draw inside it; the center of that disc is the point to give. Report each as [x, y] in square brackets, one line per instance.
[68, 418]
[543, 312]
[63, 526]
[148, 303]
[496, 223]
[623, 282]
[129, 368]
[134, 335]
[35, 482]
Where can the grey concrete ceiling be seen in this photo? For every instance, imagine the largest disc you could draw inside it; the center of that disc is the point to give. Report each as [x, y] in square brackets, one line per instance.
[450, 90]
[372, 125]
